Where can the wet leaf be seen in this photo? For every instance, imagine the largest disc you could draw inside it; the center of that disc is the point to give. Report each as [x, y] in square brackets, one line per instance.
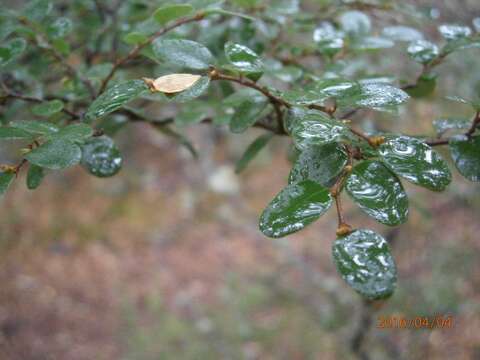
[48, 108]
[60, 28]
[101, 157]
[372, 43]
[402, 33]
[317, 129]
[246, 114]
[380, 96]
[423, 51]
[253, 149]
[114, 97]
[244, 59]
[11, 50]
[35, 176]
[415, 161]
[9, 133]
[424, 87]
[183, 53]
[37, 10]
[466, 155]
[355, 22]
[55, 154]
[6, 179]
[321, 164]
[35, 127]
[74, 132]
[168, 13]
[295, 207]
[378, 192]
[444, 124]
[329, 40]
[364, 261]
[454, 31]
[175, 83]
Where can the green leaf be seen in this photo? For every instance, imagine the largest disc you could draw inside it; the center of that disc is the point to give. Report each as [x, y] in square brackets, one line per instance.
[180, 138]
[328, 39]
[295, 207]
[380, 96]
[114, 97]
[454, 31]
[372, 43]
[35, 176]
[355, 22]
[101, 157]
[214, 11]
[35, 127]
[444, 124]
[415, 161]
[364, 261]
[168, 13]
[246, 115]
[378, 192]
[37, 10]
[424, 86]
[55, 154]
[423, 51]
[60, 28]
[244, 59]
[466, 155]
[402, 33]
[183, 53]
[134, 38]
[76, 133]
[11, 50]
[317, 129]
[48, 108]
[321, 164]
[6, 179]
[9, 133]
[253, 149]
[461, 44]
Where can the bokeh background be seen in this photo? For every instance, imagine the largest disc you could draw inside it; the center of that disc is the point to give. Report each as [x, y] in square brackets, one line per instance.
[165, 261]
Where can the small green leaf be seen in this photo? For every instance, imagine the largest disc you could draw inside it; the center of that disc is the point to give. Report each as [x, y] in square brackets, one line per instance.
[76, 133]
[321, 164]
[214, 11]
[35, 176]
[37, 10]
[364, 261]
[253, 149]
[380, 96]
[424, 86]
[183, 53]
[378, 192]
[295, 207]
[466, 155]
[6, 179]
[415, 161]
[55, 154]
[9, 133]
[114, 97]
[372, 43]
[11, 50]
[60, 28]
[134, 38]
[48, 108]
[35, 127]
[317, 129]
[402, 33]
[246, 115]
[454, 31]
[101, 157]
[168, 13]
[355, 22]
[423, 51]
[244, 59]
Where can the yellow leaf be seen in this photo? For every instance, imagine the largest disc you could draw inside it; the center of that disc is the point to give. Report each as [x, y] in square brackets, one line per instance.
[174, 83]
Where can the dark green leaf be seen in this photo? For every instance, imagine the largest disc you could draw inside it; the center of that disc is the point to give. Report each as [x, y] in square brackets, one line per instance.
[378, 192]
[321, 164]
[253, 149]
[416, 162]
[35, 176]
[114, 97]
[60, 28]
[171, 12]
[37, 10]
[9, 133]
[317, 129]
[192, 92]
[183, 53]
[295, 207]
[244, 59]
[423, 51]
[55, 154]
[11, 50]
[380, 96]
[48, 108]
[75, 133]
[246, 115]
[466, 155]
[364, 260]
[101, 157]
[424, 86]
[6, 178]
[35, 127]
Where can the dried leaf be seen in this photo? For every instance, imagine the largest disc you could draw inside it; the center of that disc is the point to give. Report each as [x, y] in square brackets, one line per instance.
[174, 83]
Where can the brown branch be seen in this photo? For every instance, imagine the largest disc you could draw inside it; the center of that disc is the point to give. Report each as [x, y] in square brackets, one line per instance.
[136, 50]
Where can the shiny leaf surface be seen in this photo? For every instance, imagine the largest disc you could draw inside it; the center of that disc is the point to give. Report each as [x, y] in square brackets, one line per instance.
[55, 154]
[48, 108]
[183, 53]
[246, 115]
[466, 155]
[101, 157]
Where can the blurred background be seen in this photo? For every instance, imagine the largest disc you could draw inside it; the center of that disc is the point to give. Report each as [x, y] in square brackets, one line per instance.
[165, 260]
